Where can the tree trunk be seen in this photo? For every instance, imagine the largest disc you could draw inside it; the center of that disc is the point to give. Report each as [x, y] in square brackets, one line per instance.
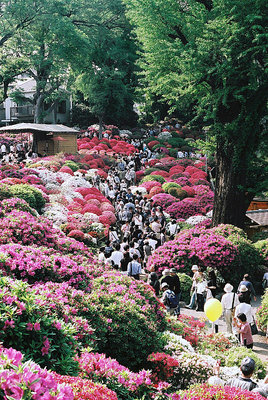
[38, 111]
[231, 201]
[100, 126]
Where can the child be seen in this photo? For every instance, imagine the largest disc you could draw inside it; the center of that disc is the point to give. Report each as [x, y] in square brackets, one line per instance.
[245, 331]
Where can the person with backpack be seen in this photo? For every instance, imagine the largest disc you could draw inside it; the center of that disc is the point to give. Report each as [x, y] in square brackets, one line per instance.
[134, 267]
[249, 286]
[265, 281]
[169, 299]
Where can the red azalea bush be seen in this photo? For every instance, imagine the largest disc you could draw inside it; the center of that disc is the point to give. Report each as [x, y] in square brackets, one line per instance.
[162, 366]
[109, 216]
[66, 170]
[77, 234]
[161, 173]
[189, 190]
[187, 327]
[91, 208]
[107, 207]
[149, 185]
[83, 389]
[155, 190]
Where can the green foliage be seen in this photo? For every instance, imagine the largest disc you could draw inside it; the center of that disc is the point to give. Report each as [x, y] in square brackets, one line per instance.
[236, 355]
[148, 171]
[262, 247]
[129, 320]
[177, 142]
[25, 326]
[262, 313]
[260, 236]
[166, 186]
[186, 284]
[73, 165]
[30, 194]
[173, 152]
[157, 178]
[178, 193]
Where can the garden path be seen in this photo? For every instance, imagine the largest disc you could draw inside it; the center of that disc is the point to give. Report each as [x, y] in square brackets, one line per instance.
[260, 346]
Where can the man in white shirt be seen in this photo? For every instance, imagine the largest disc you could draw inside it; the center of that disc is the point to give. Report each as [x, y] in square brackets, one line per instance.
[229, 301]
[117, 256]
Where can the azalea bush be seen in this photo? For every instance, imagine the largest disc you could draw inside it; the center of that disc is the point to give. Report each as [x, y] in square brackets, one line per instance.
[35, 264]
[132, 318]
[27, 381]
[163, 200]
[196, 246]
[25, 325]
[201, 392]
[184, 209]
[15, 203]
[84, 389]
[236, 355]
[127, 384]
[262, 248]
[262, 313]
[187, 327]
[217, 345]
[30, 194]
[162, 366]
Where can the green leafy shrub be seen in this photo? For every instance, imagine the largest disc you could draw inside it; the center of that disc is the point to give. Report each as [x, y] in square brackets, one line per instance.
[262, 247]
[157, 178]
[173, 152]
[71, 164]
[177, 142]
[132, 319]
[166, 186]
[148, 171]
[25, 326]
[262, 313]
[30, 194]
[186, 284]
[178, 193]
[260, 236]
[235, 355]
[217, 345]
[4, 191]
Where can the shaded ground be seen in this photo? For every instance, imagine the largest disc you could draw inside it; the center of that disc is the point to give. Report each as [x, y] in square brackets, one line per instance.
[260, 346]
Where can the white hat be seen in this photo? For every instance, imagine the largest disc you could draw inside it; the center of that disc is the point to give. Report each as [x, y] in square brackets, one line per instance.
[243, 288]
[228, 288]
[165, 284]
[166, 272]
[195, 268]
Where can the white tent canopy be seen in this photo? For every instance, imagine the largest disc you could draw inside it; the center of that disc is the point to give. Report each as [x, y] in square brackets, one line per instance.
[38, 127]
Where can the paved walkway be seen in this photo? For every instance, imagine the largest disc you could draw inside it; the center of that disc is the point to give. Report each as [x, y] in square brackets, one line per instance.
[260, 346]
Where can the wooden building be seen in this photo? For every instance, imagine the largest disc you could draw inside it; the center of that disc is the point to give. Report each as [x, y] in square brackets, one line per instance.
[47, 139]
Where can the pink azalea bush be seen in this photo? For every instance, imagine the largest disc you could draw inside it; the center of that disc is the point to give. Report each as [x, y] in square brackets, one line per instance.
[26, 326]
[164, 200]
[195, 246]
[84, 389]
[35, 264]
[26, 380]
[184, 209]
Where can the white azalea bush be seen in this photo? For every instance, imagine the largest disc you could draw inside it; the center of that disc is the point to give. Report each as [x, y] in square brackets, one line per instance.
[175, 344]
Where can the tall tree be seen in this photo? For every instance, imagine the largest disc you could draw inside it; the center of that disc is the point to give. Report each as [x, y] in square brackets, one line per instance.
[215, 51]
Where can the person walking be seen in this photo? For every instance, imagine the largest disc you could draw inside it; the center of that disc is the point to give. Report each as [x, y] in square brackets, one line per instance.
[176, 287]
[229, 301]
[134, 268]
[169, 299]
[193, 288]
[249, 286]
[154, 282]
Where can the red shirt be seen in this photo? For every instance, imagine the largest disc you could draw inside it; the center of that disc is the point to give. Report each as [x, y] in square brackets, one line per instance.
[245, 333]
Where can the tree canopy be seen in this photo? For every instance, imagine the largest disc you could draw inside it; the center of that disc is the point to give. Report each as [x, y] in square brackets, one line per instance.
[212, 53]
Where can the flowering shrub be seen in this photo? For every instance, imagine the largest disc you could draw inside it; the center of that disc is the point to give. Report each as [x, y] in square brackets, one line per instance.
[30, 194]
[163, 200]
[125, 302]
[15, 203]
[35, 264]
[25, 325]
[262, 313]
[26, 380]
[22, 227]
[262, 248]
[187, 327]
[157, 178]
[193, 368]
[184, 209]
[175, 344]
[217, 345]
[236, 355]
[106, 370]
[162, 366]
[149, 185]
[216, 392]
[166, 186]
[83, 389]
[195, 246]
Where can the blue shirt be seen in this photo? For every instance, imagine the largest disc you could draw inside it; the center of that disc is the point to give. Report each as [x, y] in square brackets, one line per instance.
[133, 268]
